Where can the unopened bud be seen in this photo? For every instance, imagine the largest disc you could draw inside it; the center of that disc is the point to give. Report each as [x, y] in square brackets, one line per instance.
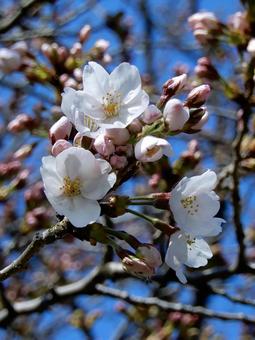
[118, 136]
[135, 126]
[151, 114]
[251, 47]
[205, 69]
[10, 60]
[118, 162]
[85, 33]
[201, 122]
[149, 254]
[23, 152]
[198, 96]
[60, 130]
[137, 267]
[104, 146]
[59, 146]
[175, 115]
[102, 45]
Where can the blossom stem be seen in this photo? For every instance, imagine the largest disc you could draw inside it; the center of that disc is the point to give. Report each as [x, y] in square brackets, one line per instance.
[141, 203]
[123, 235]
[157, 223]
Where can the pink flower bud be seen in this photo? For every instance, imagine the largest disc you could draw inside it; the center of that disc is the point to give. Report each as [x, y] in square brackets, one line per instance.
[47, 50]
[151, 149]
[175, 84]
[198, 96]
[77, 74]
[10, 60]
[102, 45]
[34, 194]
[201, 35]
[21, 123]
[126, 150]
[135, 126]
[150, 255]
[251, 47]
[151, 114]
[175, 115]
[202, 122]
[59, 146]
[118, 136]
[21, 179]
[107, 58]
[239, 22]
[118, 162]
[137, 267]
[104, 146]
[10, 169]
[205, 69]
[62, 53]
[60, 130]
[85, 33]
[23, 152]
[71, 83]
[76, 49]
[63, 78]
[206, 20]
[154, 181]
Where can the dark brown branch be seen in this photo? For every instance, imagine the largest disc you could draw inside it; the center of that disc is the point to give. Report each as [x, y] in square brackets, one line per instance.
[171, 306]
[86, 285]
[40, 239]
[14, 18]
[236, 299]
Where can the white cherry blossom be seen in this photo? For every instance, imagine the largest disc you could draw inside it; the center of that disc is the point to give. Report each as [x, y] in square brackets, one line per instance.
[110, 100]
[194, 205]
[151, 149]
[186, 250]
[74, 181]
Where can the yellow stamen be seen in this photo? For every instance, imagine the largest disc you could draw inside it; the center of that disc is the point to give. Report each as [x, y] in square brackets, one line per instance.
[190, 203]
[111, 104]
[71, 188]
[152, 151]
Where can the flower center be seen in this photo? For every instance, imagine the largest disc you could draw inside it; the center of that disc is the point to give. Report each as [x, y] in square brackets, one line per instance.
[111, 104]
[152, 151]
[190, 204]
[71, 188]
[190, 241]
[90, 123]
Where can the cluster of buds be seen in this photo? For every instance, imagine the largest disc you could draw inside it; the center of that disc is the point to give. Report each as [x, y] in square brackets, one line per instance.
[67, 62]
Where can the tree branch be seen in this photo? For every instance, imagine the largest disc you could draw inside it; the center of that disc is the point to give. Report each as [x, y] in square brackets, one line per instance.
[171, 306]
[40, 239]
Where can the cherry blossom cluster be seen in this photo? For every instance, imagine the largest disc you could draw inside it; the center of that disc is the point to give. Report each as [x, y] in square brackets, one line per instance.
[109, 128]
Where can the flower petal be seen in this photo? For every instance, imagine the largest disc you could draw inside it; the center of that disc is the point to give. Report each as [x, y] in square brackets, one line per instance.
[51, 180]
[198, 253]
[95, 80]
[202, 183]
[81, 211]
[125, 78]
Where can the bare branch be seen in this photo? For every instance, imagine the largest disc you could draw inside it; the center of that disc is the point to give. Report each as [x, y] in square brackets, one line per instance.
[172, 306]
